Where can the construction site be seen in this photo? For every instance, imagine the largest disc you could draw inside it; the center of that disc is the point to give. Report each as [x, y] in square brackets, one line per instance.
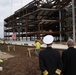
[41, 17]
[33, 21]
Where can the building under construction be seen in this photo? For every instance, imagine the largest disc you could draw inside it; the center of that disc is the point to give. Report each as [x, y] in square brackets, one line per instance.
[41, 17]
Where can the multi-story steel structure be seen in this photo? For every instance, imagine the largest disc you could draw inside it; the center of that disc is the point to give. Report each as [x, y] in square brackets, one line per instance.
[42, 17]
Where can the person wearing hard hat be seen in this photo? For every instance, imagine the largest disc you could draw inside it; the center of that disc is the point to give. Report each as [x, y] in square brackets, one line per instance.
[37, 47]
[49, 59]
[1, 62]
[2, 42]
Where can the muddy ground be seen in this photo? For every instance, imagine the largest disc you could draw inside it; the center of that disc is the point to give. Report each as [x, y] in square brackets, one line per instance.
[20, 64]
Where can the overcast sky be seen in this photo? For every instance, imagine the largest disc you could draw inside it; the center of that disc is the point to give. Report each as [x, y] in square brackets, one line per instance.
[8, 7]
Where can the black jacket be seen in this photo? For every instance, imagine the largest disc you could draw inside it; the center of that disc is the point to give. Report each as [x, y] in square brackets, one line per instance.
[69, 61]
[50, 60]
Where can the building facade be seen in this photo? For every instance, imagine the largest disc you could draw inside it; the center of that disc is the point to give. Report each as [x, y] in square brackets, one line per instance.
[41, 17]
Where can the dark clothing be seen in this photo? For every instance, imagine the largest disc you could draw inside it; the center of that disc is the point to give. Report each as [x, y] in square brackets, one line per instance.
[50, 60]
[69, 61]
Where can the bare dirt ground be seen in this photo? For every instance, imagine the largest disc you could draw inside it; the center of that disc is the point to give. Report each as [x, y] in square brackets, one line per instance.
[20, 64]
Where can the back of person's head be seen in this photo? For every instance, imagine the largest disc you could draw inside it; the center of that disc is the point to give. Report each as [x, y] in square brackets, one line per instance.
[48, 39]
[36, 40]
[70, 42]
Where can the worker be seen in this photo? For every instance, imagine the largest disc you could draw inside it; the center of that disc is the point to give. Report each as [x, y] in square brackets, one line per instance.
[2, 42]
[1, 62]
[37, 47]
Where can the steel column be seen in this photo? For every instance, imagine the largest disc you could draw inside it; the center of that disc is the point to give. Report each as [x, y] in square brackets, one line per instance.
[73, 19]
[60, 24]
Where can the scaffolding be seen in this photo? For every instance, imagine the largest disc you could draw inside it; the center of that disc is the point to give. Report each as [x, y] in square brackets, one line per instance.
[41, 17]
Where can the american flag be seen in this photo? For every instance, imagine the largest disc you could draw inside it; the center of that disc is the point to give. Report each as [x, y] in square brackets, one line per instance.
[14, 36]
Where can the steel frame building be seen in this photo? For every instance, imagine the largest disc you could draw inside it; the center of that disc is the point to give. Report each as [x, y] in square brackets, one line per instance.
[41, 17]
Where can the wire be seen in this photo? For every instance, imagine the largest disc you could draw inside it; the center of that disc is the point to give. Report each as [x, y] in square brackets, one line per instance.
[21, 3]
[11, 6]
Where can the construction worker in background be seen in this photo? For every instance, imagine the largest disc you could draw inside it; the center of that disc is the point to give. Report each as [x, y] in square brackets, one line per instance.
[1, 65]
[49, 59]
[2, 42]
[37, 47]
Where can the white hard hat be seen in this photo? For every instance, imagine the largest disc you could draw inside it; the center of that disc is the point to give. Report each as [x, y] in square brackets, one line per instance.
[48, 39]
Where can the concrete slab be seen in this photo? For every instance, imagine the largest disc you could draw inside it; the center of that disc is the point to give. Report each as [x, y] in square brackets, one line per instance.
[56, 46]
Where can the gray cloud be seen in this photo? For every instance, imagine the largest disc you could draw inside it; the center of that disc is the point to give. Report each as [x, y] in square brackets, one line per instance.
[4, 3]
